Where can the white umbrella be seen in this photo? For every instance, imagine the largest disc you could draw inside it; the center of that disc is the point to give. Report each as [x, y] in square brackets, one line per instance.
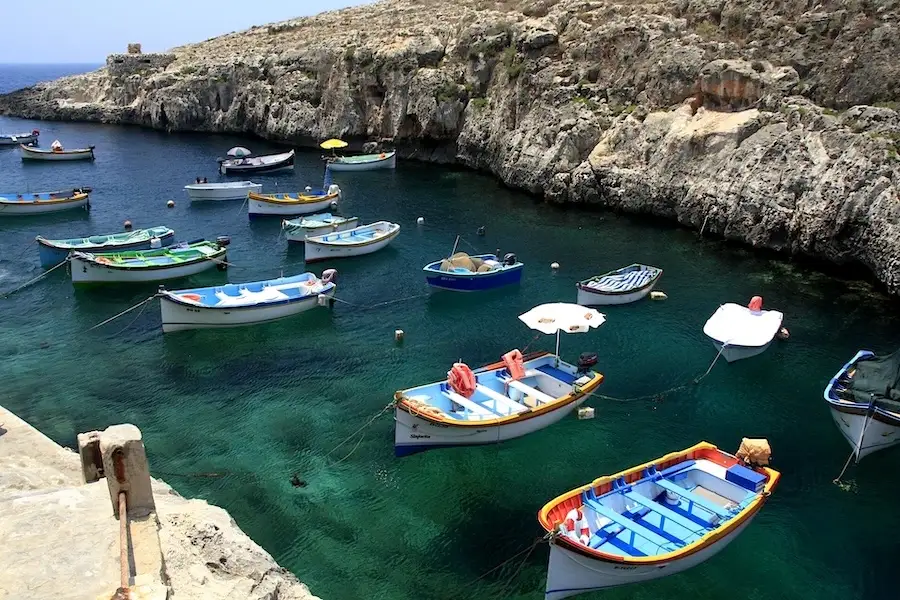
[239, 152]
[561, 316]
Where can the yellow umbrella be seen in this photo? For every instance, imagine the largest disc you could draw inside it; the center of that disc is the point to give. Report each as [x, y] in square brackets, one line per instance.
[333, 144]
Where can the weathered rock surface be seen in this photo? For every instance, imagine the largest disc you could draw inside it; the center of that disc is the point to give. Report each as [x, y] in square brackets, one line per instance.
[759, 116]
[60, 539]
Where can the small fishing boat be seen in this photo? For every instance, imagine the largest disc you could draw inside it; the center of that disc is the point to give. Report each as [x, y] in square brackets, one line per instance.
[56, 152]
[619, 286]
[177, 261]
[363, 162]
[268, 163]
[864, 398]
[231, 190]
[53, 252]
[297, 230]
[239, 304]
[43, 202]
[743, 331]
[463, 273]
[15, 139]
[352, 242]
[498, 402]
[653, 520]
[285, 205]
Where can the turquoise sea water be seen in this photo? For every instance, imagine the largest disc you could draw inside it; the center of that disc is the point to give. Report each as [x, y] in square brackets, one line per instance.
[255, 405]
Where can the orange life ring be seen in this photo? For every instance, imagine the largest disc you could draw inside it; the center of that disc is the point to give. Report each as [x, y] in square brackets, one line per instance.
[382, 155]
[576, 527]
[756, 304]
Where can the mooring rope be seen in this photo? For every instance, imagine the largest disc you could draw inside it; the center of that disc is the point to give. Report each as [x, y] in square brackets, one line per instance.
[124, 312]
[371, 420]
[378, 304]
[25, 249]
[39, 277]
[869, 410]
[527, 550]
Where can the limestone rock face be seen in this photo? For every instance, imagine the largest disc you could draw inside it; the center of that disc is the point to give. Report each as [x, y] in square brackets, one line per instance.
[762, 112]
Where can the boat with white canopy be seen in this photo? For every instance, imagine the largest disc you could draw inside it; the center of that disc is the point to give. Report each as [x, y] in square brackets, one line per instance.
[743, 331]
[56, 153]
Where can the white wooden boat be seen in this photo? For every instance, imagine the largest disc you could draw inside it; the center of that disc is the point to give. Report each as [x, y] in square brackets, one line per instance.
[652, 520]
[182, 260]
[363, 162]
[285, 205]
[56, 153]
[231, 190]
[352, 242]
[864, 399]
[53, 252]
[257, 164]
[43, 202]
[15, 139]
[744, 331]
[239, 304]
[499, 408]
[619, 286]
[297, 230]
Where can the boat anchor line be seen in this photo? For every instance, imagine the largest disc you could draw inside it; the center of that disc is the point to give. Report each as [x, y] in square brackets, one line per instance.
[664, 393]
[38, 278]
[857, 448]
[389, 406]
[527, 552]
[377, 304]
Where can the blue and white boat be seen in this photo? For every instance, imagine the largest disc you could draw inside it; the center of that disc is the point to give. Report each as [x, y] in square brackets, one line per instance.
[365, 239]
[239, 304]
[53, 252]
[463, 273]
[498, 407]
[619, 286]
[864, 398]
[297, 230]
[43, 202]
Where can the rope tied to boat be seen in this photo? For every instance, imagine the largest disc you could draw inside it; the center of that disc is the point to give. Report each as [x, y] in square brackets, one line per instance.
[390, 405]
[527, 551]
[38, 278]
[378, 304]
[125, 312]
[855, 450]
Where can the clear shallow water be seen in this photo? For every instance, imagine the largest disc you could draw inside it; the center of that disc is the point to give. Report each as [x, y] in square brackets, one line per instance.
[258, 404]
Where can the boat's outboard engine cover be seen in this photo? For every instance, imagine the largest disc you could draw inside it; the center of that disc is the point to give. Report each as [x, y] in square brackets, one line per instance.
[509, 259]
[586, 360]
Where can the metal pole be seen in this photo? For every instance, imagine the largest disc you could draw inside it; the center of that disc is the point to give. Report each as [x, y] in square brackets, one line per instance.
[123, 540]
[557, 348]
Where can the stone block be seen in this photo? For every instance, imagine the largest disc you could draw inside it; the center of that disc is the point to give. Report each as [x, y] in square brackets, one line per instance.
[134, 48]
[91, 459]
[126, 469]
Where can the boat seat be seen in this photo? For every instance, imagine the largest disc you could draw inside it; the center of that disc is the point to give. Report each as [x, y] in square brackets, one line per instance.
[694, 498]
[665, 511]
[628, 524]
[511, 405]
[556, 373]
[529, 391]
[472, 407]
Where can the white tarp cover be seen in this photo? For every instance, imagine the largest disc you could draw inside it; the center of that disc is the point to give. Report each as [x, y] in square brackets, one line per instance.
[737, 325]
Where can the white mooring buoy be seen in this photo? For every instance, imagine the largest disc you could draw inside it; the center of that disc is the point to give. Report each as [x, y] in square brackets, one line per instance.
[420, 221]
[170, 204]
[554, 266]
[398, 335]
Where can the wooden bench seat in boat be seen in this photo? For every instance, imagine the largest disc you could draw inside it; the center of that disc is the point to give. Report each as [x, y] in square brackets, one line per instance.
[694, 498]
[665, 512]
[528, 390]
[511, 405]
[472, 407]
[630, 525]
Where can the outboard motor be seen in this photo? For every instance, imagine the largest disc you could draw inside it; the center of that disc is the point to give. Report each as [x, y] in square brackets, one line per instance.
[586, 361]
[509, 259]
[223, 240]
[329, 275]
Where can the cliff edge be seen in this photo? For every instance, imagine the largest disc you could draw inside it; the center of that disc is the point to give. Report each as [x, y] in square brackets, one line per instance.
[772, 124]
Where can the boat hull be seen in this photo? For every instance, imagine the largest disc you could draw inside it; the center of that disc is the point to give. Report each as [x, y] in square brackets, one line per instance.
[570, 573]
[881, 430]
[474, 283]
[735, 353]
[414, 434]
[180, 317]
[205, 194]
[316, 251]
[8, 140]
[285, 164]
[588, 297]
[261, 208]
[43, 207]
[49, 155]
[389, 162]
[85, 272]
[51, 255]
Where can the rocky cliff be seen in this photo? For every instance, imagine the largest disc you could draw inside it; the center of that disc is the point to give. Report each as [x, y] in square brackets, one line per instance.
[770, 123]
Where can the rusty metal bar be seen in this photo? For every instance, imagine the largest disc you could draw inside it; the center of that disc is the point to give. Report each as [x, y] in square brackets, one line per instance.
[123, 539]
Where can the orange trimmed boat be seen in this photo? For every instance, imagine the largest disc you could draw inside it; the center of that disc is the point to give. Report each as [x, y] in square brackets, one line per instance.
[652, 520]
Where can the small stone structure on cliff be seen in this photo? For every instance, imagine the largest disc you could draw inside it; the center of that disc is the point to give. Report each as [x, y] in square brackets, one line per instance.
[135, 61]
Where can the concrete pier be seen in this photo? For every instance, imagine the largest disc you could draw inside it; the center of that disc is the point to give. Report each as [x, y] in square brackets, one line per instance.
[59, 522]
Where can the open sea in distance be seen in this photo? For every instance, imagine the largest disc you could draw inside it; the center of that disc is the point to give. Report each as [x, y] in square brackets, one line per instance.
[257, 404]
